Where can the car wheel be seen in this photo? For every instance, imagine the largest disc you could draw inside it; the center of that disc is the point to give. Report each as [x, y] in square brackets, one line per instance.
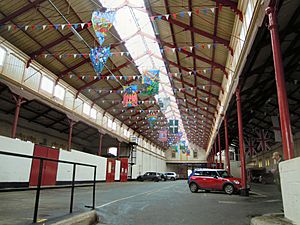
[229, 189]
[156, 179]
[263, 181]
[172, 179]
[207, 191]
[194, 188]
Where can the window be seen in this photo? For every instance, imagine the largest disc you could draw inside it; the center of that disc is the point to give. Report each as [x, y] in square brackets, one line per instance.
[249, 13]
[47, 84]
[93, 113]
[260, 163]
[59, 92]
[2, 56]
[195, 154]
[113, 151]
[86, 109]
[267, 162]
[114, 126]
[109, 123]
[173, 154]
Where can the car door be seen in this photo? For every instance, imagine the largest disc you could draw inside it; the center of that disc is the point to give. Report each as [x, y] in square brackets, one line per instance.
[201, 178]
[146, 176]
[216, 181]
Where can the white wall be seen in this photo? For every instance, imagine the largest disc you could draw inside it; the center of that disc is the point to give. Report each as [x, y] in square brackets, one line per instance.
[15, 169]
[147, 161]
[64, 171]
[117, 170]
[290, 186]
[235, 168]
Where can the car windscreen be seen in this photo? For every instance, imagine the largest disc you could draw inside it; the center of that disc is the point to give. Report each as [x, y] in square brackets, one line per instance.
[223, 173]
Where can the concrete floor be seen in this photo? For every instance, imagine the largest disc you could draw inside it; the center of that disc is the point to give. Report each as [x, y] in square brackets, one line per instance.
[145, 203]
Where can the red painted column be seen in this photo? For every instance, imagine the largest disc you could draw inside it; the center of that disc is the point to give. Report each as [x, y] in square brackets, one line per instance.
[226, 145]
[285, 123]
[119, 150]
[71, 124]
[100, 144]
[215, 148]
[244, 190]
[19, 102]
[220, 152]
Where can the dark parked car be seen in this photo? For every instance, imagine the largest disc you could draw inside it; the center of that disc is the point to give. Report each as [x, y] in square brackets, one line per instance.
[152, 176]
[163, 176]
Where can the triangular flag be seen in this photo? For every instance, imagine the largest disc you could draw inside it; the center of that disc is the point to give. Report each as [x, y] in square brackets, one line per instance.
[208, 45]
[44, 27]
[191, 48]
[220, 7]
[167, 16]
[181, 13]
[197, 11]
[173, 49]
[174, 15]
[212, 10]
[82, 25]
[189, 13]
[45, 56]
[122, 53]
[63, 26]
[75, 55]
[26, 27]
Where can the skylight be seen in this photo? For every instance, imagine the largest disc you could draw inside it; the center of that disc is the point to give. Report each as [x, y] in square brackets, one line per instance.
[131, 20]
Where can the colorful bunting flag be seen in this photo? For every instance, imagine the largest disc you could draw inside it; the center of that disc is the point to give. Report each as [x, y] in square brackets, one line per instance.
[130, 97]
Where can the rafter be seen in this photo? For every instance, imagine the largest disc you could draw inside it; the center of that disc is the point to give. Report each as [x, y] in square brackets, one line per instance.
[21, 11]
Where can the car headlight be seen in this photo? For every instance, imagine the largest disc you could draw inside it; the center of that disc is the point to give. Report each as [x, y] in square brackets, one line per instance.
[236, 182]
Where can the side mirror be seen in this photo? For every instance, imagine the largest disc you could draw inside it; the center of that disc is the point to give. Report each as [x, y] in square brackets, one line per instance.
[216, 177]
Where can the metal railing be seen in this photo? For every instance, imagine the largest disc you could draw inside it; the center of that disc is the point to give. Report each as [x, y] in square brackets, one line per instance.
[39, 187]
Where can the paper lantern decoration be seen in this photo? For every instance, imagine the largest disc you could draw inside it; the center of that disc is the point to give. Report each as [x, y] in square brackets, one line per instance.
[102, 22]
[130, 97]
[99, 57]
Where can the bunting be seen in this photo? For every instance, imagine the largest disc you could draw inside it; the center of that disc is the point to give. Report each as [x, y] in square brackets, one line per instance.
[130, 97]
[152, 117]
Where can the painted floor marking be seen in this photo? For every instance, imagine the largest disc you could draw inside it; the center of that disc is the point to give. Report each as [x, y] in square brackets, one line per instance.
[132, 196]
[227, 202]
[273, 200]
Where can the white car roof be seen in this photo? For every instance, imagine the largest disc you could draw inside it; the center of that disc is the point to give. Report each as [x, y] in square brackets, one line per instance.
[208, 169]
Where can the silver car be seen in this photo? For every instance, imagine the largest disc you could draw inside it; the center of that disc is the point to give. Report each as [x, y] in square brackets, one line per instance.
[171, 176]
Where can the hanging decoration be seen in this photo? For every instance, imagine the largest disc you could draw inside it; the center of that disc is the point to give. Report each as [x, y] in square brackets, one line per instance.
[99, 57]
[249, 146]
[152, 117]
[188, 152]
[163, 135]
[102, 22]
[130, 97]
[263, 140]
[164, 103]
[151, 82]
[173, 126]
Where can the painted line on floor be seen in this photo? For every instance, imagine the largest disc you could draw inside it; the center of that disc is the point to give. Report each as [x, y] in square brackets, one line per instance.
[227, 202]
[273, 200]
[132, 196]
[258, 195]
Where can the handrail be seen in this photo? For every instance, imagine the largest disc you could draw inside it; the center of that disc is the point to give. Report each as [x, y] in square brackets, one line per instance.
[40, 175]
